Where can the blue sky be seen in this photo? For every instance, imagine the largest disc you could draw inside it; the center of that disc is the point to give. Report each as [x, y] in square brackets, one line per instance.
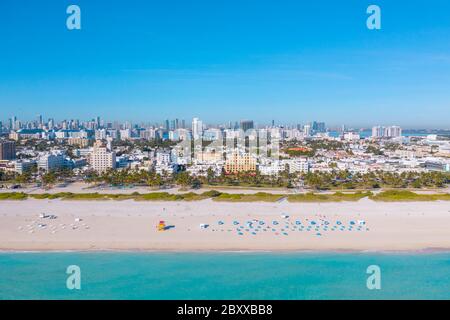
[221, 60]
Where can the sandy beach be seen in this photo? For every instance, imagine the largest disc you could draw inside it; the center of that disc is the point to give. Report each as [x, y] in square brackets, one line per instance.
[132, 225]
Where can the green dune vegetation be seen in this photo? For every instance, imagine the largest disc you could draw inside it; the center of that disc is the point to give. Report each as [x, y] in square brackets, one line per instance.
[13, 196]
[239, 197]
[404, 195]
[332, 197]
[389, 195]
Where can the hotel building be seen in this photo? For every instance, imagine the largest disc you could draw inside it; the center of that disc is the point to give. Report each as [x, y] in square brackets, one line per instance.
[102, 159]
[240, 163]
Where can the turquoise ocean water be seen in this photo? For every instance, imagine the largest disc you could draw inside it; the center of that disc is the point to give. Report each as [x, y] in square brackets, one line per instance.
[127, 275]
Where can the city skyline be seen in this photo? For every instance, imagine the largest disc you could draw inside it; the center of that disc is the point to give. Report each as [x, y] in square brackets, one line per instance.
[16, 123]
[295, 61]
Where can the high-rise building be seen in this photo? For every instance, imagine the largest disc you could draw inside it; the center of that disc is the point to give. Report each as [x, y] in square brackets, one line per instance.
[386, 132]
[7, 150]
[197, 128]
[125, 134]
[101, 158]
[14, 123]
[51, 123]
[307, 130]
[246, 125]
[318, 126]
[393, 132]
[377, 132]
[100, 134]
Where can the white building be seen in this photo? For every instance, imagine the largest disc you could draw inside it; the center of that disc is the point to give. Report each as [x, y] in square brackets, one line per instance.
[20, 166]
[271, 169]
[386, 132]
[51, 161]
[125, 134]
[297, 165]
[307, 130]
[351, 136]
[393, 132]
[148, 134]
[163, 158]
[102, 159]
[212, 134]
[198, 170]
[100, 134]
[197, 128]
[377, 132]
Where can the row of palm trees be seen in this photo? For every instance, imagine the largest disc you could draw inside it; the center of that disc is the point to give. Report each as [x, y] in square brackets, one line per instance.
[376, 179]
[316, 180]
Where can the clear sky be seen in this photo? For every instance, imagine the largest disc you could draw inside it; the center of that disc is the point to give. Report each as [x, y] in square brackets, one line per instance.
[291, 61]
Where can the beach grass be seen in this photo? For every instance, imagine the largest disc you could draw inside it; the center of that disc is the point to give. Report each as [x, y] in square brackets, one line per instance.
[13, 196]
[404, 195]
[387, 196]
[332, 197]
[238, 197]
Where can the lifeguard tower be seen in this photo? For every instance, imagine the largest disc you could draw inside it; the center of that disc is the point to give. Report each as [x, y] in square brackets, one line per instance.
[161, 225]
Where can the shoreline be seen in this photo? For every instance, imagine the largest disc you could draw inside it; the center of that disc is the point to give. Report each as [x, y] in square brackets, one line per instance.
[426, 251]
